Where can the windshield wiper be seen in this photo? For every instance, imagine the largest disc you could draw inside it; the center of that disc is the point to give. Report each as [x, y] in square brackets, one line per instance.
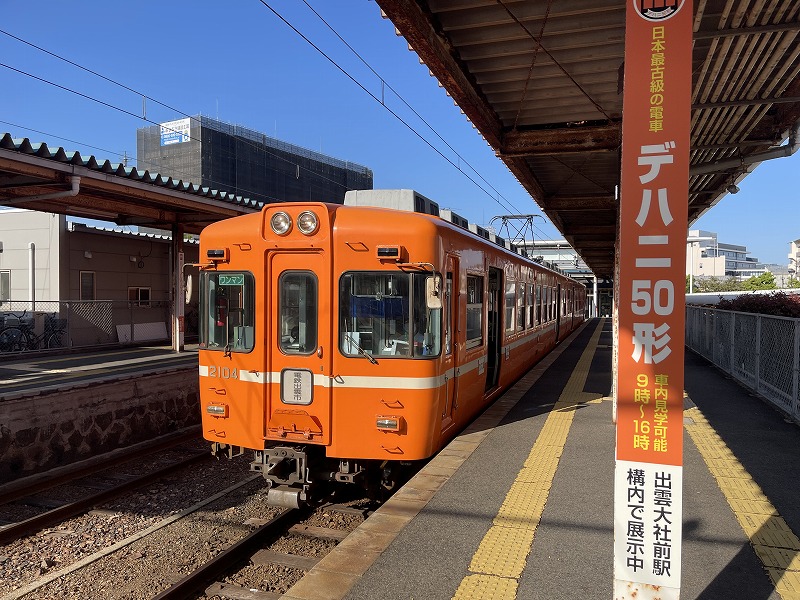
[361, 351]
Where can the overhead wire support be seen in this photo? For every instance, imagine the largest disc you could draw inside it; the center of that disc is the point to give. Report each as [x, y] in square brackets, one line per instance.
[518, 236]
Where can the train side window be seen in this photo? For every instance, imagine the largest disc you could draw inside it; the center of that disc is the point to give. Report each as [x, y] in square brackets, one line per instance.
[510, 302]
[427, 328]
[548, 307]
[228, 302]
[474, 311]
[520, 306]
[530, 306]
[448, 312]
[538, 304]
[297, 312]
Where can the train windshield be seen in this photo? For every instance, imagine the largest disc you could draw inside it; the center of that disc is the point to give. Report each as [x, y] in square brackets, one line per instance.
[227, 304]
[386, 314]
[297, 312]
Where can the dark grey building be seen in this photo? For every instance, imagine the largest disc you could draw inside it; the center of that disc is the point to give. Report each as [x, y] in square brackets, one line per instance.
[235, 159]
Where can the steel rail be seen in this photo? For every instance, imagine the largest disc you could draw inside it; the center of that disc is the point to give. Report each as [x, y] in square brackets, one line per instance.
[39, 522]
[91, 466]
[197, 580]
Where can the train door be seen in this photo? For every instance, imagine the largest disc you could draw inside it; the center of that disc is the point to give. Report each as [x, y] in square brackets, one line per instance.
[299, 348]
[558, 311]
[450, 350]
[494, 334]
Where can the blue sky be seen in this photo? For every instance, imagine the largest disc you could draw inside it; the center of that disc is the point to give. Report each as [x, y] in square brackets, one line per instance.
[240, 63]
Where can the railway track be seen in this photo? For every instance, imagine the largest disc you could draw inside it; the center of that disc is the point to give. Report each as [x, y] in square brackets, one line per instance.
[125, 549]
[257, 549]
[103, 482]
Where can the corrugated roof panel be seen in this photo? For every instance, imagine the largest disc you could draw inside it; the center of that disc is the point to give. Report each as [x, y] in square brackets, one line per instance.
[40, 149]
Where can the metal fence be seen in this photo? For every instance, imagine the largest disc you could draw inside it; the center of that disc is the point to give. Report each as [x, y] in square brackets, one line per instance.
[761, 351]
[43, 325]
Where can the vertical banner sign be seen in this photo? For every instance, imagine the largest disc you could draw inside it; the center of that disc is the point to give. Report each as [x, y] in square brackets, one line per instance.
[653, 223]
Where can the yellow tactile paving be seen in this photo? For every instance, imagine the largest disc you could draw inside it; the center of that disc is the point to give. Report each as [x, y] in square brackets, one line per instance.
[775, 544]
[778, 558]
[787, 584]
[487, 587]
[502, 552]
[501, 555]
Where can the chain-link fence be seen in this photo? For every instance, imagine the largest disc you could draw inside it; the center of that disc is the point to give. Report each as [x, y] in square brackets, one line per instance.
[761, 351]
[43, 325]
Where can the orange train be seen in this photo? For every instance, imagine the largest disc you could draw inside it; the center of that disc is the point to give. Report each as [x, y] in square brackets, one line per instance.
[342, 342]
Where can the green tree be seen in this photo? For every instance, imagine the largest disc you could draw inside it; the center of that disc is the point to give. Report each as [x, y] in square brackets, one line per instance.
[765, 281]
[715, 284]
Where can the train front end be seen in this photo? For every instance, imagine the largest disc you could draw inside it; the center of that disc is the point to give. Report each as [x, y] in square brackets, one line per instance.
[320, 347]
[264, 354]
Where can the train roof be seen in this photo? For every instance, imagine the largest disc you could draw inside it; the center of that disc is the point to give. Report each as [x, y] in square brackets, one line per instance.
[412, 201]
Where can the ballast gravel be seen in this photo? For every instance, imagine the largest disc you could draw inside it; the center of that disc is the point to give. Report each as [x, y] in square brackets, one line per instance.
[147, 566]
[55, 549]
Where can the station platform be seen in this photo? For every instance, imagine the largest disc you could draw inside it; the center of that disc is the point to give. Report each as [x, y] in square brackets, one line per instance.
[447, 534]
[33, 373]
[60, 409]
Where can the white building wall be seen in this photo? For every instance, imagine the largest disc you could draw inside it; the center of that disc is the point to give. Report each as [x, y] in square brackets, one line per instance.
[18, 229]
[118, 259]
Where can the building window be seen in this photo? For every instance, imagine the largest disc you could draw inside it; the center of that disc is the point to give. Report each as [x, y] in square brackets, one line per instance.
[5, 286]
[139, 296]
[87, 291]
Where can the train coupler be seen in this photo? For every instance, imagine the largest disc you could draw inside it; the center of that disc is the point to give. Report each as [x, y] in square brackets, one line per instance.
[282, 465]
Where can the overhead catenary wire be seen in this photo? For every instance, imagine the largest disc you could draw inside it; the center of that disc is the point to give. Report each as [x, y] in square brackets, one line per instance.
[386, 84]
[160, 103]
[378, 100]
[144, 97]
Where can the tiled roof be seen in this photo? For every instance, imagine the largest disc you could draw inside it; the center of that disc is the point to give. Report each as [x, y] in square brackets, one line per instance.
[40, 149]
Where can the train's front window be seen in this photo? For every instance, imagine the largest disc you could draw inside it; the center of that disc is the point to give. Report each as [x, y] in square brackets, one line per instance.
[227, 304]
[385, 315]
[297, 312]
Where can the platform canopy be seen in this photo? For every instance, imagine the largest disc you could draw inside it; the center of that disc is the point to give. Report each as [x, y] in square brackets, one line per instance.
[542, 82]
[37, 177]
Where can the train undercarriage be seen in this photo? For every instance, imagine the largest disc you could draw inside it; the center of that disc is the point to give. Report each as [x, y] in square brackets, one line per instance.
[302, 475]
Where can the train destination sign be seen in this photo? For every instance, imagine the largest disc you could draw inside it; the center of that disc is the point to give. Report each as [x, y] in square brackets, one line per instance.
[653, 223]
[233, 279]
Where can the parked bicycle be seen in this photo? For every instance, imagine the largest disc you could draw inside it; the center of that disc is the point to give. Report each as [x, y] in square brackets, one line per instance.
[18, 333]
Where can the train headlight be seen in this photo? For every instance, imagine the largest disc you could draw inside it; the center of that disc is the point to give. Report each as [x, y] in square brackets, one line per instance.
[307, 222]
[217, 410]
[281, 223]
[390, 423]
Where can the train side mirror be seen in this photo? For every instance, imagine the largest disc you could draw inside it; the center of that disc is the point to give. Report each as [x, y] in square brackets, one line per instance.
[187, 288]
[433, 292]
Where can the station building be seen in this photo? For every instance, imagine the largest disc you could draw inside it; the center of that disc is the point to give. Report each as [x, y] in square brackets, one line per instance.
[106, 285]
[245, 162]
